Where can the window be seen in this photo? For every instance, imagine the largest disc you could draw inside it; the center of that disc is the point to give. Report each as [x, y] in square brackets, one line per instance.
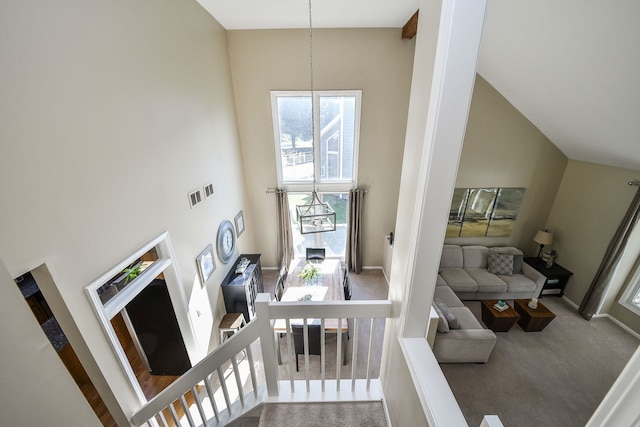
[334, 159]
[631, 297]
[334, 241]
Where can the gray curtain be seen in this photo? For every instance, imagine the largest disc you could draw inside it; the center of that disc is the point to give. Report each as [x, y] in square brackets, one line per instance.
[611, 259]
[285, 238]
[353, 253]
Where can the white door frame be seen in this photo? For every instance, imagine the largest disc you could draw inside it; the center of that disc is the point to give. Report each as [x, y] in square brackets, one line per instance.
[106, 312]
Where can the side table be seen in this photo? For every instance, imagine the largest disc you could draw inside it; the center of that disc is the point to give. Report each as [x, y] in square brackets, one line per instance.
[557, 276]
[533, 319]
[498, 321]
[230, 324]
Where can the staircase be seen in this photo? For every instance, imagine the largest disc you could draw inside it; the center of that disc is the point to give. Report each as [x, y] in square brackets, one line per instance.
[234, 382]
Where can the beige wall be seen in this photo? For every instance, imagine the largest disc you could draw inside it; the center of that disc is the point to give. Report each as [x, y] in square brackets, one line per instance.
[36, 389]
[504, 149]
[590, 204]
[377, 61]
[111, 113]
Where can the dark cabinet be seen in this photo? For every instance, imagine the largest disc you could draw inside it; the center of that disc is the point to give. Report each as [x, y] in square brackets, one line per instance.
[239, 289]
[557, 276]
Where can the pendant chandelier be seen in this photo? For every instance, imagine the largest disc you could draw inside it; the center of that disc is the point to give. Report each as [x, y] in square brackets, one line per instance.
[315, 216]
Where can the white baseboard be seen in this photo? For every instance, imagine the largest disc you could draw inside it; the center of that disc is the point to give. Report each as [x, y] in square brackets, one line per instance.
[571, 303]
[385, 407]
[605, 315]
[622, 325]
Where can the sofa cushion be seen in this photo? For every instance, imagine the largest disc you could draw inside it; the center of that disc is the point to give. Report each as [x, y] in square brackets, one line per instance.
[519, 283]
[500, 263]
[486, 281]
[440, 281]
[466, 319]
[517, 257]
[475, 256]
[448, 296]
[451, 257]
[458, 280]
[443, 325]
[448, 314]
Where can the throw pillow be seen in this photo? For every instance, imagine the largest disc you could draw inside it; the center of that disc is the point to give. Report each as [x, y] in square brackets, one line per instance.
[443, 325]
[517, 264]
[500, 263]
[448, 314]
[517, 256]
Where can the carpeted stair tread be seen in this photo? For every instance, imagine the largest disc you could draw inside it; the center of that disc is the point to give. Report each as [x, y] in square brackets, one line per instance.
[369, 414]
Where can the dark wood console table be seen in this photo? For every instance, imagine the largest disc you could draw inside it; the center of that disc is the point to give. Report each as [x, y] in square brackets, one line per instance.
[239, 290]
[557, 276]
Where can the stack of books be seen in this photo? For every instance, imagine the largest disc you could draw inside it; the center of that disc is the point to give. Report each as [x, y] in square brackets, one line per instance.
[500, 307]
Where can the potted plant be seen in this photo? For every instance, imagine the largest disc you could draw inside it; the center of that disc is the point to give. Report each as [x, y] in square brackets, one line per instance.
[310, 274]
[131, 273]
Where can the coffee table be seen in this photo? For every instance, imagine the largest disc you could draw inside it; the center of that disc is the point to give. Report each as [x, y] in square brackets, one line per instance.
[533, 320]
[498, 321]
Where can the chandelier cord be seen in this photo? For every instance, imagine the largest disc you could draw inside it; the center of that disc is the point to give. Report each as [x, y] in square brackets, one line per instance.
[313, 121]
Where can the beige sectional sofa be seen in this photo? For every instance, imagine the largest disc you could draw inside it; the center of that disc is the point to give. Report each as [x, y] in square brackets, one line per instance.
[474, 273]
[470, 342]
[467, 271]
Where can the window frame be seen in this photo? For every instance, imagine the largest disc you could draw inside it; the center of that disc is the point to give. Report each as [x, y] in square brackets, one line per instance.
[633, 289]
[320, 185]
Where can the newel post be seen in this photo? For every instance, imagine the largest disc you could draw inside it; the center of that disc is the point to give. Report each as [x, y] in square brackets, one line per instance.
[267, 343]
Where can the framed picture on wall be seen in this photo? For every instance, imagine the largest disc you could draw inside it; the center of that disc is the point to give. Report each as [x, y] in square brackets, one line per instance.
[206, 264]
[239, 219]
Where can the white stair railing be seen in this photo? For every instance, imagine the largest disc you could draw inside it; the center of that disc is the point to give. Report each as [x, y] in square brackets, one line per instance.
[334, 313]
[219, 398]
[208, 376]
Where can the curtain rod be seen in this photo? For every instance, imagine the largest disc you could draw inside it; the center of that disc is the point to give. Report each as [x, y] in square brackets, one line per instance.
[277, 190]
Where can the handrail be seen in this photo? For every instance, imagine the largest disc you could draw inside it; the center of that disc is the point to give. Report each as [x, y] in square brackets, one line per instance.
[234, 345]
[330, 309]
[438, 402]
[261, 327]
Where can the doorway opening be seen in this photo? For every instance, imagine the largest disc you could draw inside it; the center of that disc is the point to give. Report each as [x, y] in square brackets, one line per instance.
[51, 328]
[138, 303]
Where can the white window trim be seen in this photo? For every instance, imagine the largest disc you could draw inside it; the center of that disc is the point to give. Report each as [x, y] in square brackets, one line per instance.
[633, 287]
[326, 186]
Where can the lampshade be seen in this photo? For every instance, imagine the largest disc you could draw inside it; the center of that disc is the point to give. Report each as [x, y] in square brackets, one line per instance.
[543, 237]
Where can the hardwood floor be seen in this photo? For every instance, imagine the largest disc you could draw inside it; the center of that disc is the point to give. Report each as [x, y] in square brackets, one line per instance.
[79, 375]
[151, 384]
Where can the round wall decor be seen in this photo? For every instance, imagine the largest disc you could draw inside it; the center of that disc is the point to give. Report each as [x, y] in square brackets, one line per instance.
[226, 241]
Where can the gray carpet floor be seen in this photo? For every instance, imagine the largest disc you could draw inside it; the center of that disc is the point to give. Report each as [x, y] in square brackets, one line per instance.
[556, 377]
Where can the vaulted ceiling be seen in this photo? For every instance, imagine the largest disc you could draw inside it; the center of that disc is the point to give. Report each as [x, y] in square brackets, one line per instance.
[572, 67]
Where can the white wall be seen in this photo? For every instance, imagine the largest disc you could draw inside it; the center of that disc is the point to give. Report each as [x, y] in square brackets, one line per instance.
[110, 114]
[377, 61]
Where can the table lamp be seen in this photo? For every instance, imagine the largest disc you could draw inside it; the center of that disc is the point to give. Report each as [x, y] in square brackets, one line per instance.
[543, 237]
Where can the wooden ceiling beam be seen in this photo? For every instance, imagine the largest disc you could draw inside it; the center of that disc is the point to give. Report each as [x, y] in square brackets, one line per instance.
[411, 27]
